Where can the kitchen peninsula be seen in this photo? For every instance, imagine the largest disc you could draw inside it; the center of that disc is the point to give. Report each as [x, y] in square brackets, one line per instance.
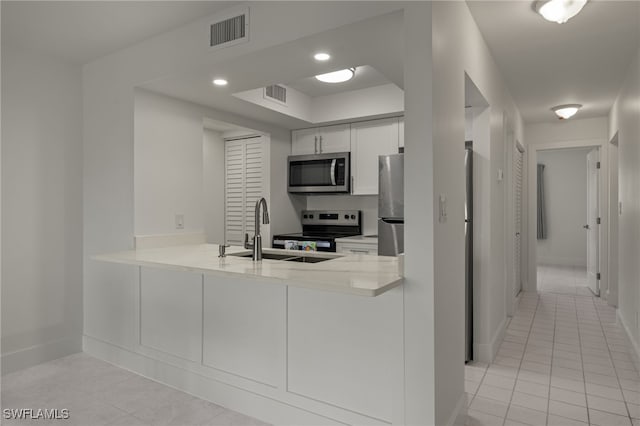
[296, 338]
[351, 274]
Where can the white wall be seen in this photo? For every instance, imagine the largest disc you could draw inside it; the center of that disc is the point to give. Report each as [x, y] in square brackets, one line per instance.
[42, 208]
[356, 104]
[213, 186]
[370, 102]
[565, 185]
[168, 166]
[169, 174]
[566, 130]
[458, 47]
[624, 120]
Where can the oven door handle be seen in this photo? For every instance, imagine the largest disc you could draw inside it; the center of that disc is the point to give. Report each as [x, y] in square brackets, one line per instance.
[333, 172]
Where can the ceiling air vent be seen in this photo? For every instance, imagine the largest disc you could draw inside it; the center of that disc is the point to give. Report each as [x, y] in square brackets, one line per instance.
[229, 31]
[276, 93]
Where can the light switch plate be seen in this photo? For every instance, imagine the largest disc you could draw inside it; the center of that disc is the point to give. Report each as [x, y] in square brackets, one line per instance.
[179, 221]
[443, 209]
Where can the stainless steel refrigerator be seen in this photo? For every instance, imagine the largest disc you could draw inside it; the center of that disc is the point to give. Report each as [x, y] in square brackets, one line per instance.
[468, 251]
[391, 205]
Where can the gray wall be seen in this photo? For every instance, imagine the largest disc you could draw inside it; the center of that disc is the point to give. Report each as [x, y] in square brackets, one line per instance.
[565, 179]
[42, 208]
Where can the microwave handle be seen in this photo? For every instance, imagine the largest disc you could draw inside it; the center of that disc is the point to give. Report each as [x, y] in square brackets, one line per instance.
[333, 172]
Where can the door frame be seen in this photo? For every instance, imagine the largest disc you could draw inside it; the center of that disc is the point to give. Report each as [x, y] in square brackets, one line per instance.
[603, 206]
[614, 213]
[513, 145]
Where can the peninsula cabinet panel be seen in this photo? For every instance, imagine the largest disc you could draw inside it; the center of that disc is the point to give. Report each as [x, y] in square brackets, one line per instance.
[171, 312]
[244, 323]
[110, 303]
[345, 350]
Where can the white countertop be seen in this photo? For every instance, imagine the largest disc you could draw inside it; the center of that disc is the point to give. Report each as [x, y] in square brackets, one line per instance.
[363, 275]
[359, 239]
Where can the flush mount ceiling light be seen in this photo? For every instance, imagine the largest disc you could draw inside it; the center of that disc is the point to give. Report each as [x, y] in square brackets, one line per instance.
[566, 111]
[321, 56]
[220, 82]
[337, 76]
[559, 11]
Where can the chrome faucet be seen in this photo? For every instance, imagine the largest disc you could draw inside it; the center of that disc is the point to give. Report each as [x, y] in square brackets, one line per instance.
[257, 238]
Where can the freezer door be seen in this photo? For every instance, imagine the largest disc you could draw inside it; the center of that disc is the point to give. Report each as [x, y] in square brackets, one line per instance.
[391, 186]
[390, 237]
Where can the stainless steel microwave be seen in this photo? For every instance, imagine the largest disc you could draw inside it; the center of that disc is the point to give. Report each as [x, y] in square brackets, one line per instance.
[319, 173]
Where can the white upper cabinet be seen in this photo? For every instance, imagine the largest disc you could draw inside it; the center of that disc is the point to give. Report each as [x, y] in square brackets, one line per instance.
[369, 139]
[304, 142]
[401, 132]
[321, 140]
[334, 139]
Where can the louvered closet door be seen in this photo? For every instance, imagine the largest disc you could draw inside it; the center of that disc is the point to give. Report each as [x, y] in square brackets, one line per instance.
[244, 186]
[517, 171]
[253, 181]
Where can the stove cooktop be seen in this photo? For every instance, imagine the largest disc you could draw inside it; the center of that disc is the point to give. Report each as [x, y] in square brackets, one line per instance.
[299, 235]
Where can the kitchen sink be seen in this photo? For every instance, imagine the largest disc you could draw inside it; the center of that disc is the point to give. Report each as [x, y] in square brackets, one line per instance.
[286, 257]
[271, 256]
[308, 259]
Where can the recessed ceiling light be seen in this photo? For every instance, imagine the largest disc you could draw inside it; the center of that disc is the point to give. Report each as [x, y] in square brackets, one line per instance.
[566, 111]
[559, 11]
[220, 82]
[337, 76]
[321, 56]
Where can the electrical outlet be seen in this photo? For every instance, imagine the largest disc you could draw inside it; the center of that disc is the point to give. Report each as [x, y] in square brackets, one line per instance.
[500, 175]
[179, 221]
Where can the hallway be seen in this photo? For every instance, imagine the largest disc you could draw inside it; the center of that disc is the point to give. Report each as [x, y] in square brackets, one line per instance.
[571, 280]
[564, 361]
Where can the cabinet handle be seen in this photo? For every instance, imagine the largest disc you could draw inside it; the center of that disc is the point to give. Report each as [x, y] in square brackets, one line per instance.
[352, 185]
[359, 251]
[315, 144]
[320, 144]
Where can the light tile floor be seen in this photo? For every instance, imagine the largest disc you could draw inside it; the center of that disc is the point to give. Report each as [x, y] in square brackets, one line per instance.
[564, 362]
[563, 279]
[98, 394]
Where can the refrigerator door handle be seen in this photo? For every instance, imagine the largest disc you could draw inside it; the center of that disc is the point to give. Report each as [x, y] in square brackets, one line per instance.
[392, 221]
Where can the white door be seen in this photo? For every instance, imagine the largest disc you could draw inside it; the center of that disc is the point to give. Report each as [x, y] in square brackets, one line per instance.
[334, 139]
[304, 142]
[369, 140]
[592, 226]
[518, 164]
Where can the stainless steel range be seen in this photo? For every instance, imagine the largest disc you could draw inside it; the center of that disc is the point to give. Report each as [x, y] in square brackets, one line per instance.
[320, 228]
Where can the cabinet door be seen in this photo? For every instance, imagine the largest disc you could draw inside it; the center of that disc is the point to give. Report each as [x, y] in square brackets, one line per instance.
[349, 248]
[171, 312]
[401, 132]
[370, 139]
[304, 142]
[334, 138]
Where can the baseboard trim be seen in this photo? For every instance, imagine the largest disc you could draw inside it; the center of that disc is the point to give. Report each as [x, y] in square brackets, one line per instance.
[268, 409]
[459, 415]
[486, 352]
[561, 261]
[34, 355]
[634, 343]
